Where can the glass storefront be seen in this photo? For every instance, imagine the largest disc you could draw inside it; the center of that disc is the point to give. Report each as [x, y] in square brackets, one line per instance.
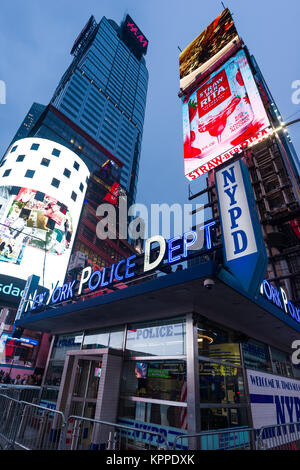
[256, 356]
[161, 380]
[160, 338]
[154, 379]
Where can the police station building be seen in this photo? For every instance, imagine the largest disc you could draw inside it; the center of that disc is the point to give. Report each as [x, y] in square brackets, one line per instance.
[195, 347]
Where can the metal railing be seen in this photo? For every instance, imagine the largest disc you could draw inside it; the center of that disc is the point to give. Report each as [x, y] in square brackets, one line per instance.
[91, 434]
[29, 426]
[279, 437]
[28, 393]
[232, 439]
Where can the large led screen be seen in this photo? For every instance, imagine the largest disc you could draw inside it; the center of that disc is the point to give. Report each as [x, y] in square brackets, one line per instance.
[218, 38]
[222, 116]
[36, 231]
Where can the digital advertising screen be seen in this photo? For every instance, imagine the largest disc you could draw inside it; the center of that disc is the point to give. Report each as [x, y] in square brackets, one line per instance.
[208, 47]
[33, 225]
[221, 117]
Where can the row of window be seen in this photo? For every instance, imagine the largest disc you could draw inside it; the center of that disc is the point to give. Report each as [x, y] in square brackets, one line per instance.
[55, 151]
[55, 182]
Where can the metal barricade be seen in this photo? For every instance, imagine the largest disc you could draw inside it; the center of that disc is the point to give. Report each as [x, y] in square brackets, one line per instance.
[91, 434]
[40, 428]
[279, 437]
[232, 439]
[10, 416]
[28, 393]
[28, 426]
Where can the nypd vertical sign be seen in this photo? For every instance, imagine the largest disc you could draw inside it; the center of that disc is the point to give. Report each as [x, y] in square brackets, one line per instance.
[244, 249]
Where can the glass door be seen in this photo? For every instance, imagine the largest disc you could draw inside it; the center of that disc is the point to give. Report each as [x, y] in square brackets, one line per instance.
[87, 375]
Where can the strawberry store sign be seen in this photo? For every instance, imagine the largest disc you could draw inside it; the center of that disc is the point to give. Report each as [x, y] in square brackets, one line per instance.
[222, 117]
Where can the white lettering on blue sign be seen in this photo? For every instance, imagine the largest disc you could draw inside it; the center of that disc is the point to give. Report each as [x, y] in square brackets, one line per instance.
[238, 233]
[279, 298]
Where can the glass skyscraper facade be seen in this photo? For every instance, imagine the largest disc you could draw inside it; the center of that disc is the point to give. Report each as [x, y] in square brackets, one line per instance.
[104, 92]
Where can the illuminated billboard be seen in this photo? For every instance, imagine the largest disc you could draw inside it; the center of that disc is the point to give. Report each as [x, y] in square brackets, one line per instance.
[42, 188]
[217, 39]
[222, 116]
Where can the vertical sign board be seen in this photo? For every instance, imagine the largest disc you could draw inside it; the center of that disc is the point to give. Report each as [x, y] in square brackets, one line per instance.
[30, 288]
[275, 400]
[243, 244]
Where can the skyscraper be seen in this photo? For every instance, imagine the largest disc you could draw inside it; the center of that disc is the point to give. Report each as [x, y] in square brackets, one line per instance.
[30, 119]
[104, 91]
[97, 112]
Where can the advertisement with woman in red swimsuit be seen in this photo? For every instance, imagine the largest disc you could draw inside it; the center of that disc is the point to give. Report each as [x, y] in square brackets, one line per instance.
[222, 113]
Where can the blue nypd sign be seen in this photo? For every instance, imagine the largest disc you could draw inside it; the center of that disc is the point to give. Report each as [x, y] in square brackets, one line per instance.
[243, 245]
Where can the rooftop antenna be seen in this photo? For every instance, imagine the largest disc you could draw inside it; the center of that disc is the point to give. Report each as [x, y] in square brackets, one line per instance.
[223, 5]
[179, 48]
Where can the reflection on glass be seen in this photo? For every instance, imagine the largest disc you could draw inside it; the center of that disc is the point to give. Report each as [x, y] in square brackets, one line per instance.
[164, 415]
[281, 363]
[220, 383]
[104, 339]
[256, 356]
[217, 343]
[54, 373]
[165, 338]
[64, 343]
[81, 377]
[222, 418]
[159, 380]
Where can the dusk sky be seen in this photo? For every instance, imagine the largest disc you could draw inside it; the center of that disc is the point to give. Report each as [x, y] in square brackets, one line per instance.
[36, 38]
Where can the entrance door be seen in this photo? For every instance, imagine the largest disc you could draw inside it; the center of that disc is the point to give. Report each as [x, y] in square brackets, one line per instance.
[90, 384]
[86, 378]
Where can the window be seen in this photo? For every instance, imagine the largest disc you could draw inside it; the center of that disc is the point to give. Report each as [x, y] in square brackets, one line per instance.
[20, 158]
[29, 174]
[34, 147]
[112, 338]
[6, 173]
[256, 356]
[159, 380]
[55, 183]
[39, 196]
[45, 162]
[14, 149]
[76, 166]
[164, 338]
[15, 190]
[73, 196]
[67, 173]
[56, 152]
[81, 187]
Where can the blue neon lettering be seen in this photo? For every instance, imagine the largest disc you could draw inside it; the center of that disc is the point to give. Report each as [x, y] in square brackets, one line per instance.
[118, 277]
[208, 234]
[63, 292]
[129, 265]
[187, 243]
[172, 248]
[112, 271]
[54, 298]
[70, 289]
[103, 282]
[95, 274]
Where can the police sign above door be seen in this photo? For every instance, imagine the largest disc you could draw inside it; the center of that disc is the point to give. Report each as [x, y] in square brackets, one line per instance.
[243, 244]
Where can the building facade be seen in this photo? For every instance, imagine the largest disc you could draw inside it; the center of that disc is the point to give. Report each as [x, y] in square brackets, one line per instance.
[104, 92]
